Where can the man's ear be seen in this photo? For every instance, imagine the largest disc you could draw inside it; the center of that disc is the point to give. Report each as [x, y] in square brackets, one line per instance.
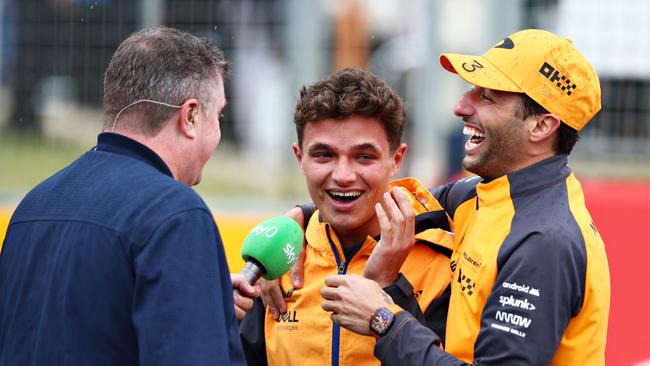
[188, 118]
[544, 127]
[398, 157]
[296, 152]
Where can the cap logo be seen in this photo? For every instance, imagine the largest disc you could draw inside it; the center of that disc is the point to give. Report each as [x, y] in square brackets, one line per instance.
[507, 43]
[561, 81]
[474, 65]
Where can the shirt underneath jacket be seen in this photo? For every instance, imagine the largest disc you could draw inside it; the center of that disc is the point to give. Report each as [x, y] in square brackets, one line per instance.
[112, 262]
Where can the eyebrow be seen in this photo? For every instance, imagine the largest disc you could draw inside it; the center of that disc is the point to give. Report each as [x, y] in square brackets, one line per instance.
[366, 146]
[319, 146]
[494, 93]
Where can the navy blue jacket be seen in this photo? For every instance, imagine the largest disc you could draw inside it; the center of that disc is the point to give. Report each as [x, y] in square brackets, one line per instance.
[112, 262]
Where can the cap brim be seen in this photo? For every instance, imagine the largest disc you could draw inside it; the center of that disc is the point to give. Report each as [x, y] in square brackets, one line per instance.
[479, 71]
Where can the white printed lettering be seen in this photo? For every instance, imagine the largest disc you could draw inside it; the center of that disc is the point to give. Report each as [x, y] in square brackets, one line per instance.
[291, 256]
[514, 302]
[268, 231]
[521, 288]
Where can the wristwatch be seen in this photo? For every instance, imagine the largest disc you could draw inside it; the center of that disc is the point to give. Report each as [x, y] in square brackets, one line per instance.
[381, 320]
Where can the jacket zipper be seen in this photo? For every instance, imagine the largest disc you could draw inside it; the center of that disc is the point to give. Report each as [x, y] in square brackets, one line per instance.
[342, 269]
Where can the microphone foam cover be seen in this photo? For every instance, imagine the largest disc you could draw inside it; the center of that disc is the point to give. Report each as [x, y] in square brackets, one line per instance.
[275, 243]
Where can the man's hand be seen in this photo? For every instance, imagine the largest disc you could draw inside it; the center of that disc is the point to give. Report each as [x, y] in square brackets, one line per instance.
[243, 294]
[352, 300]
[298, 269]
[271, 291]
[272, 297]
[397, 223]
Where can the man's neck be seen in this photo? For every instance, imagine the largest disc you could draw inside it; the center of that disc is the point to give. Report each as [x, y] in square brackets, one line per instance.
[161, 146]
[352, 239]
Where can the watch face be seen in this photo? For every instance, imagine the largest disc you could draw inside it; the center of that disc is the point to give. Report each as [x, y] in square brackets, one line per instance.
[381, 321]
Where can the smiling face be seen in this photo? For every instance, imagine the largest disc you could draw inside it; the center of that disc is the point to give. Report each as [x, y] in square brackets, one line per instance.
[497, 136]
[348, 165]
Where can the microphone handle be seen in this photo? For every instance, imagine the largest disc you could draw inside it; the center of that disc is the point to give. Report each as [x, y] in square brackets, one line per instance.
[253, 270]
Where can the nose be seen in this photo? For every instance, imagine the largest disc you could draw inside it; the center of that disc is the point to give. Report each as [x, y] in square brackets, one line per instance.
[343, 173]
[465, 105]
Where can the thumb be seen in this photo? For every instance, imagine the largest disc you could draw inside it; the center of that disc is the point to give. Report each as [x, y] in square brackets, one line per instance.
[298, 269]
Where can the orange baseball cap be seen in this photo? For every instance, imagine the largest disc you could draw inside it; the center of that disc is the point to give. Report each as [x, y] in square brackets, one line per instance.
[546, 67]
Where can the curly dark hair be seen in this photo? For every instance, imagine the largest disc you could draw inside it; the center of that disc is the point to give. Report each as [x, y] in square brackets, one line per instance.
[351, 92]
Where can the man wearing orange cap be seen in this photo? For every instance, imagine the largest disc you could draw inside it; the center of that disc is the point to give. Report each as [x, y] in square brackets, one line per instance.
[530, 276]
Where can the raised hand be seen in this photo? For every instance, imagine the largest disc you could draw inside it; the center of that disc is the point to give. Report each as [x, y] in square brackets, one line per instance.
[397, 222]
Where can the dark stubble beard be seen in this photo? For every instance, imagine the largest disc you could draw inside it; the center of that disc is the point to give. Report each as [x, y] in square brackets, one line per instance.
[501, 152]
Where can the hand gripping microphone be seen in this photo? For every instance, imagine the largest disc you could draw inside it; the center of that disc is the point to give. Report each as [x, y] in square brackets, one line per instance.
[271, 248]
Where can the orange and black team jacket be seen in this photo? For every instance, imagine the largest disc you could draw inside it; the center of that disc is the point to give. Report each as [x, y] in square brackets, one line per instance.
[306, 336]
[530, 283]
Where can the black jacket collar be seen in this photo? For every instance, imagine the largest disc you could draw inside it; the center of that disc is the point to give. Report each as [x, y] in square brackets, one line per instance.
[120, 144]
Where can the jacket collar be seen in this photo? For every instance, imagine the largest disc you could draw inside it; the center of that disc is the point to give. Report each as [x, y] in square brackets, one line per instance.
[530, 179]
[120, 144]
[421, 200]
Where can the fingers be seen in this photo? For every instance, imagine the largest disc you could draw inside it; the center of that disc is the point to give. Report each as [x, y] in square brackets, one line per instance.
[402, 216]
[329, 293]
[405, 206]
[393, 210]
[334, 318]
[247, 289]
[277, 304]
[335, 280]
[239, 313]
[384, 222]
[329, 305]
[298, 269]
[272, 297]
[242, 302]
[296, 214]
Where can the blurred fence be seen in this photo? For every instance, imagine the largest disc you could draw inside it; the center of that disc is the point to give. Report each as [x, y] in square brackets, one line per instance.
[55, 50]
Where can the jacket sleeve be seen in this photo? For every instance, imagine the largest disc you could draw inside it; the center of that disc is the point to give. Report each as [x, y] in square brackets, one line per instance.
[251, 330]
[402, 294]
[538, 289]
[408, 342]
[434, 317]
[183, 311]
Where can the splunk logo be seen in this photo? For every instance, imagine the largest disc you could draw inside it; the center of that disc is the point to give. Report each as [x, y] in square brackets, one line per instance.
[514, 319]
[517, 303]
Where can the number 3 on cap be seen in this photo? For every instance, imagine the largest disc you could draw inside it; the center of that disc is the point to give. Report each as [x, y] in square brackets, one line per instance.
[475, 65]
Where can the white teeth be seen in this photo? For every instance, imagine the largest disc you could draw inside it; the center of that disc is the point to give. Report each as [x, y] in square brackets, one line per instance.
[345, 194]
[470, 145]
[469, 131]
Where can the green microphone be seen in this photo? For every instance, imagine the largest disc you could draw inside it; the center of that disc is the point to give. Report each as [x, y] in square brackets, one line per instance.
[271, 248]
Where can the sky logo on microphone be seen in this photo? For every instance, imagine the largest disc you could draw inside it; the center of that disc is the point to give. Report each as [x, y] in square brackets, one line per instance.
[267, 231]
[290, 252]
